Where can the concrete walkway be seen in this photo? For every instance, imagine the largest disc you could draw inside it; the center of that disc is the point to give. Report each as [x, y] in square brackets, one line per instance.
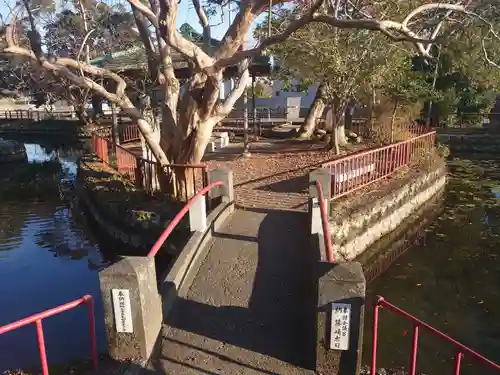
[245, 312]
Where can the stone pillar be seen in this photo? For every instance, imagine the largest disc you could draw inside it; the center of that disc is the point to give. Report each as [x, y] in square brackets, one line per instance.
[132, 307]
[340, 283]
[226, 191]
[323, 176]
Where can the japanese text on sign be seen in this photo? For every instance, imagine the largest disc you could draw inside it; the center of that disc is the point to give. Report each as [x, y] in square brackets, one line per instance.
[122, 310]
[341, 321]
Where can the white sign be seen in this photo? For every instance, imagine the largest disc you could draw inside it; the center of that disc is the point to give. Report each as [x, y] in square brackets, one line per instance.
[341, 322]
[123, 312]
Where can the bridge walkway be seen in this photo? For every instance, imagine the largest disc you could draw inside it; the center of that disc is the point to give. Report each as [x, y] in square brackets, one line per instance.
[246, 310]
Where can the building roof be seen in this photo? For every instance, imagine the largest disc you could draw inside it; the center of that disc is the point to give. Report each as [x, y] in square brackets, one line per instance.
[134, 59]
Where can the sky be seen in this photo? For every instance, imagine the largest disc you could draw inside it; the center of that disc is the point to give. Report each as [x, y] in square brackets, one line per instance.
[186, 15]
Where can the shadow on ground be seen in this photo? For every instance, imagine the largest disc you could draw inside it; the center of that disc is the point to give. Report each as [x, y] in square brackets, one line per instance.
[279, 319]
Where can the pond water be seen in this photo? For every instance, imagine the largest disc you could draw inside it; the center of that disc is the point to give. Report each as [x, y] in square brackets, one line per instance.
[451, 280]
[47, 257]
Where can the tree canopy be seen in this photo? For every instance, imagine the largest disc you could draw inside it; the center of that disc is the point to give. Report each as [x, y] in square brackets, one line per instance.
[188, 116]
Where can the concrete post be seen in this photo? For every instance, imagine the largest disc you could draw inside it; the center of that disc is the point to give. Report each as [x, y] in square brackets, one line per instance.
[323, 176]
[340, 283]
[198, 215]
[225, 191]
[132, 307]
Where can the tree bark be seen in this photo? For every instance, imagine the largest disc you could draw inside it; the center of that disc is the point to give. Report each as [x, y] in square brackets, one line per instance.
[338, 138]
[81, 113]
[348, 114]
[317, 108]
[340, 130]
[115, 139]
[339, 111]
[393, 119]
[330, 122]
[371, 108]
[96, 107]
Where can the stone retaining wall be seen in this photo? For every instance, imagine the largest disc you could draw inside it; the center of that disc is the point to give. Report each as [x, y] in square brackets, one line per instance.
[476, 143]
[353, 233]
[136, 229]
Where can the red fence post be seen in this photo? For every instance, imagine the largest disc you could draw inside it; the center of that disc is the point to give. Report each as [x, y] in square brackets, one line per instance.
[417, 326]
[93, 338]
[373, 369]
[414, 349]
[320, 193]
[37, 319]
[41, 347]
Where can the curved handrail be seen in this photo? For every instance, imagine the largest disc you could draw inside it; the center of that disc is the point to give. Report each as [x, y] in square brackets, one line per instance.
[171, 226]
[324, 223]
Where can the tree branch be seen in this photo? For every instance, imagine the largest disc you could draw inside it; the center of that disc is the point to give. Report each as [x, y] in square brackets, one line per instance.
[166, 23]
[275, 39]
[235, 34]
[202, 17]
[223, 109]
[145, 35]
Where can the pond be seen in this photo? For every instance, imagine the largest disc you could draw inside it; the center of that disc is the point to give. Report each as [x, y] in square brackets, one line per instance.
[47, 257]
[451, 280]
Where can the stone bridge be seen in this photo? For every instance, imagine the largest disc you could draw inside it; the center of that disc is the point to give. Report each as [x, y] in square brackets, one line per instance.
[241, 298]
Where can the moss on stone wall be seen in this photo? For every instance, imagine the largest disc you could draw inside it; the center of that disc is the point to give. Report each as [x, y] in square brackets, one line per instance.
[126, 213]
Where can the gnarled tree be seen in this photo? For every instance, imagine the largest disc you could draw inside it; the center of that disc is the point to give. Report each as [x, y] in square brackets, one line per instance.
[188, 116]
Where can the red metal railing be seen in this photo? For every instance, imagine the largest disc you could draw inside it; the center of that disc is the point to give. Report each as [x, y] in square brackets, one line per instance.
[171, 226]
[126, 163]
[324, 222]
[101, 147]
[143, 173]
[37, 319]
[461, 349]
[356, 171]
[129, 133]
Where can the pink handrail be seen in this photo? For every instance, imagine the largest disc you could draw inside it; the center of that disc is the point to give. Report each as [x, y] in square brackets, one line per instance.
[417, 324]
[171, 226]
[37, 319]
[324, 223]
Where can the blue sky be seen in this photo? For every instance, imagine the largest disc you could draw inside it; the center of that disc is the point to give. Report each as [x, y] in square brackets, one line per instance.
[186, 15]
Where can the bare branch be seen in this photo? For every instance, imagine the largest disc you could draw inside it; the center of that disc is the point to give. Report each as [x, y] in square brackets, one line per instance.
[144, 9]
[84, 43]
[277, 38]
[222, 110]
[202, 17]
[64, 62]
[166, 23]
[145, 35]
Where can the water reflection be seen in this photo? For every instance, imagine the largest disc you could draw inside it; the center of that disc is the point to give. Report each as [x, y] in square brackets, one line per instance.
[47, 258]
[450, 282]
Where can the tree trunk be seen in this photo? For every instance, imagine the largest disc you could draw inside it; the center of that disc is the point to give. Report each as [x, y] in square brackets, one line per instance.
[340, 130]
[149, 170]
[338, 138]
[339, 110]
[115, 139]
[96, 107]
[318, 106]
[330, 122]
[393, 119]
[81, 113]
[348, 115]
